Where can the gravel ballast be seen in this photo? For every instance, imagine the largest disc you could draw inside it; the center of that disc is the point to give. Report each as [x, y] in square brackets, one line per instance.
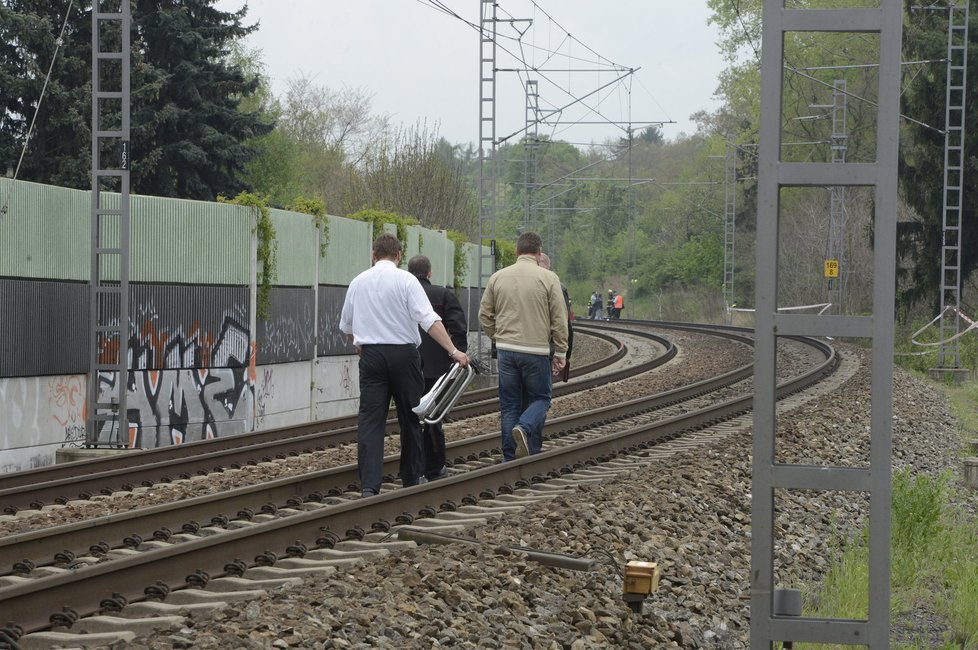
[689, 511]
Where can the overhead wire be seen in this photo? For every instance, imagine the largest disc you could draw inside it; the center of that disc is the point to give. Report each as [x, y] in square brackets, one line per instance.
[58, 42]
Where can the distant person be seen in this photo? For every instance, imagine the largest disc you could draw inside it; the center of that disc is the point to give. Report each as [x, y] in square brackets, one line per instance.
[434, 362]
[615, 304]
[383, 308]
[522, 310]
[565, 373]
[595, 306]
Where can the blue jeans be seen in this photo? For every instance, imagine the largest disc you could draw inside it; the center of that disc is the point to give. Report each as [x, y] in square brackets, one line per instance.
[525, 389]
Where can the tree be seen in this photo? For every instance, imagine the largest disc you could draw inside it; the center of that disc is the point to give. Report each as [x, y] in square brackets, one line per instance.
[188, 136]
[59, 149]
[922, 163]
[408, 174]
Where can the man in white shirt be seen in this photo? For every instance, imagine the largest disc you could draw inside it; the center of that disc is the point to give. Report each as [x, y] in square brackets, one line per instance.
[383, 309]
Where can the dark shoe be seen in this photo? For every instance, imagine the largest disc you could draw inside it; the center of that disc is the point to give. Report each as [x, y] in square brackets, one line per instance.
[520, 439]
[442, 473]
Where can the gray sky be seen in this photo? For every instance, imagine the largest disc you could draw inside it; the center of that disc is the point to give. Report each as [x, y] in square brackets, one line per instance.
[421, 64]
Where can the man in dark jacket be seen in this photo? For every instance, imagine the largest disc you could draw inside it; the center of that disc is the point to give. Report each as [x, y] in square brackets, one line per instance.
[434, 363]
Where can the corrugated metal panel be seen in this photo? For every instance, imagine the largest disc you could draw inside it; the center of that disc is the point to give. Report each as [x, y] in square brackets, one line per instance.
[298, 245]
[348, 253]
[330, 340]
[438, 248]
[45, 233]
[188, 326]
[287, 335]
[43, 328]
[415, 239]
[189, 242]
[472, 275]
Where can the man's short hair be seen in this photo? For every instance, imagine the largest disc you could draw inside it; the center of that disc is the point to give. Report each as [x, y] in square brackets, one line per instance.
[386, 247]
[419, 266]
[544, 261]
[529, 243]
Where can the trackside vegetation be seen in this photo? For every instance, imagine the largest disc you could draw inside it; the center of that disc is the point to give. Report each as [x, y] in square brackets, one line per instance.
[934, 558]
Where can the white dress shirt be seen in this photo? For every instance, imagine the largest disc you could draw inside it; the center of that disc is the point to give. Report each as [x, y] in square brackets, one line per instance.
[386, 304]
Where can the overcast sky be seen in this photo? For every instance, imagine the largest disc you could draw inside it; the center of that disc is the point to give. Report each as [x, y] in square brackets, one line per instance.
[421, 64]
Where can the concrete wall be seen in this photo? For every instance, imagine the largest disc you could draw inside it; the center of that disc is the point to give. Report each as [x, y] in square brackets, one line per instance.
[201, 365]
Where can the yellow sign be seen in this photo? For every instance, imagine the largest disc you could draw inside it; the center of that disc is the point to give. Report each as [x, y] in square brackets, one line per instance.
[831, 268]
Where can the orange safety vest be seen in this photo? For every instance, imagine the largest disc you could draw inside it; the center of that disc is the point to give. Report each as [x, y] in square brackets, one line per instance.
[619, 302]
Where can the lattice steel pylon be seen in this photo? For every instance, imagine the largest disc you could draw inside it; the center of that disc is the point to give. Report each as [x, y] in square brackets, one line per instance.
[531, 145]
[107, 423]
[772, 479]
[487, 148]
[836, 248]
[949, 354]
[729, 225]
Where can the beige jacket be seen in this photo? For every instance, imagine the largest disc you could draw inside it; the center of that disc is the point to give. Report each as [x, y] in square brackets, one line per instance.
[523, 308]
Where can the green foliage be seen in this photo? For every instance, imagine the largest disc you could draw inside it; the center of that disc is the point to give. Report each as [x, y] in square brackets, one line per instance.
[189, 138]
[921, 358]
[317, 209]
[461, 260]
[697, 261]
[931, 544]
[267, 246]
[917, 508]
[378, 218]
[845, 591]
[407, 173]
[922, 160]
[505, 252]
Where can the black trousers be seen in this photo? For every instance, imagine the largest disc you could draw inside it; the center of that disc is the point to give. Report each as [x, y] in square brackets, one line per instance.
[433, 440]
[389, 371]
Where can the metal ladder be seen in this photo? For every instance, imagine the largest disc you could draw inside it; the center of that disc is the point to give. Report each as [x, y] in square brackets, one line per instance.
[107, 423]
[949, 354]
[487, 150]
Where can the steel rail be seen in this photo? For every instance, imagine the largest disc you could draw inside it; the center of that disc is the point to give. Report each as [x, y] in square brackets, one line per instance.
[169, 452]
[31, 603]
[129, 470]
[147, 522]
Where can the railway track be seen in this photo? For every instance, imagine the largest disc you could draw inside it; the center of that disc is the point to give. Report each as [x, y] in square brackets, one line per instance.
[58, 484]
[315, 511]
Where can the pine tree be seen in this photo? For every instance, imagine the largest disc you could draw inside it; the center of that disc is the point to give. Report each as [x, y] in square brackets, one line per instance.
[188, 136]
[59, 150]
[922, 161]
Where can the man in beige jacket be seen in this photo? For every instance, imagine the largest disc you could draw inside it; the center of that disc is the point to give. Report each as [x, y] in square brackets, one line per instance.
[522, 310]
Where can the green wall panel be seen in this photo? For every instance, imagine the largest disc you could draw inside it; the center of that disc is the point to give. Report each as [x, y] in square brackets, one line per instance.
[45, 232]
[348, 252]
[298, 245]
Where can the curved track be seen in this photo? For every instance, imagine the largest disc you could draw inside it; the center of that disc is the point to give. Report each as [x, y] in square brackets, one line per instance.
[308, 511]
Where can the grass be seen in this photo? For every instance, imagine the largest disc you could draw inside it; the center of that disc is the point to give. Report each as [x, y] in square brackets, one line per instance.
[934, 555]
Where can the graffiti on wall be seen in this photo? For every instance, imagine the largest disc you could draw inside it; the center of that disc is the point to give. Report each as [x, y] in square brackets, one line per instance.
[69, 408]
[171, 406]
[41, 413]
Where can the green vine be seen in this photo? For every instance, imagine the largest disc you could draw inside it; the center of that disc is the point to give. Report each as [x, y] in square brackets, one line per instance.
[378, 218]
[317, 209]
[461, 260]
[266, 245]
[505, 253]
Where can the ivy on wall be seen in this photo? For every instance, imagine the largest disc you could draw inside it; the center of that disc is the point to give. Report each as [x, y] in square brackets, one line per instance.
[267, 246]
[317, 209]
[505, 252]
[378, 218]
[461, 261]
